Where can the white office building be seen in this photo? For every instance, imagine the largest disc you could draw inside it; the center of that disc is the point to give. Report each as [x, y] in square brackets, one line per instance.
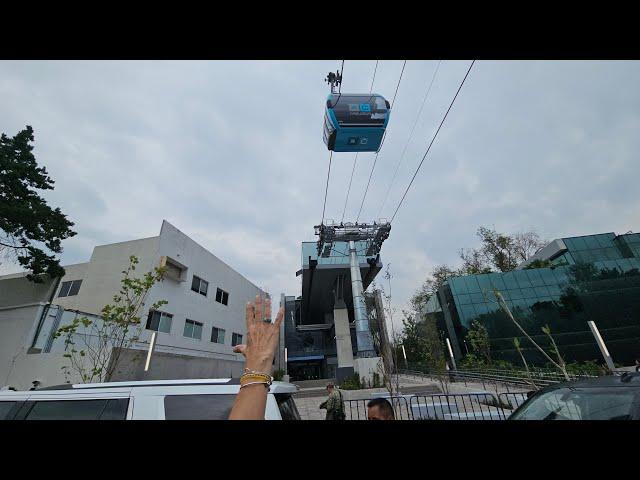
[195, 330]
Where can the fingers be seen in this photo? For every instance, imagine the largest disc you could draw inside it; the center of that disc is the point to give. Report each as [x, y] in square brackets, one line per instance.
[279, 317]
[240, 349]
[258, 310]
[250, 313]
[267, 310]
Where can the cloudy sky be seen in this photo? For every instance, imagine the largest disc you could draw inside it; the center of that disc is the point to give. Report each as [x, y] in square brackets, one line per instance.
[231, 153]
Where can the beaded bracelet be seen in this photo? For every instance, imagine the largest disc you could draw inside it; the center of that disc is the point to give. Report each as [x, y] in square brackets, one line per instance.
[261, 377]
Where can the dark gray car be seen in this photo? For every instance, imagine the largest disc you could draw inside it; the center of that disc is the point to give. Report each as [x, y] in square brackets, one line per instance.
[614, 397]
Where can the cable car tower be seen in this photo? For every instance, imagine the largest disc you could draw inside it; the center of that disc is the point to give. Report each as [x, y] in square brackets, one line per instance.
[373, 235]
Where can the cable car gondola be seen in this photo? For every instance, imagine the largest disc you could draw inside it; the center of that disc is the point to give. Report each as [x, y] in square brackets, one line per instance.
[355, 122]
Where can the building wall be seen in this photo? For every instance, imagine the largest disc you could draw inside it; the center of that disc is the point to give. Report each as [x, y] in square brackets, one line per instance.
[23, 302]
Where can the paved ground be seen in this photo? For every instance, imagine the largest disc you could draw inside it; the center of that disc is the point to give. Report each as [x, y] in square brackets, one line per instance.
[308, 399]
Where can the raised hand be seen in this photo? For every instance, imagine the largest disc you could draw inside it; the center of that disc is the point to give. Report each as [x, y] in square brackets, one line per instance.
[262, 336]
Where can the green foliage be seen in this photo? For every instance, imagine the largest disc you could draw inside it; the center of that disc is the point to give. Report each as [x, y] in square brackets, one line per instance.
[376, 381]
[589, 367]
[351, 383]
[478, 337]
[27, 222]
[539, 264]
[278, 374]
[118, 328]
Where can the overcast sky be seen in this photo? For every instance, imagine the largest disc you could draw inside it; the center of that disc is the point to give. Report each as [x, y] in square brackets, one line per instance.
[231, 153]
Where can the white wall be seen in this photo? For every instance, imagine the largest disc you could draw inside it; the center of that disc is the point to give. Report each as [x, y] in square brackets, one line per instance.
[185, 303]
[101, 278]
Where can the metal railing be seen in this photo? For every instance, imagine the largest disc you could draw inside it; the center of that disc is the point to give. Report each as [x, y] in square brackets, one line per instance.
[507, 377]
[357, 409]
[458, 406]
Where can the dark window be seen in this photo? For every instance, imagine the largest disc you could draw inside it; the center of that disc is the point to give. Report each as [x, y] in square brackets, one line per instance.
[75, 287]
[217, 335]
[199, 285]
[159, 321]
[192, 329]
[236, 339]
[70, 288]
[287, 406]
[222, 296]
[198, 407]
[64, 289]
[8, 410]
[105, 409]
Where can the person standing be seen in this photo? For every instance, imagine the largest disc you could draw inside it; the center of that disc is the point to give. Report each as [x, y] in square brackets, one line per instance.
[334, 404]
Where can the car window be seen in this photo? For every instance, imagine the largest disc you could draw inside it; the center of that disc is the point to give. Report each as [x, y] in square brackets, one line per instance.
[99, 409]
[8, 409]
[287, 406]
[579, 404]
[198, 407]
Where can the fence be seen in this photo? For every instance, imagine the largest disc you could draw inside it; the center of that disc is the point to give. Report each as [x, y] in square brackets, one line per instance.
[517, 378]
[357, 409]
[458, 406]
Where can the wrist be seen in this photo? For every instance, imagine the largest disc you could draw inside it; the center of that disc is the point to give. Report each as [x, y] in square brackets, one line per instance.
[262, 365]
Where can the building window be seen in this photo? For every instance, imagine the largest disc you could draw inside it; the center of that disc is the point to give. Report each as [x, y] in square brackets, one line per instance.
[70, 288]
[217, 335]
[159, 321]
[199, 285]
[192, 329]
[236, 339]
[222, 297]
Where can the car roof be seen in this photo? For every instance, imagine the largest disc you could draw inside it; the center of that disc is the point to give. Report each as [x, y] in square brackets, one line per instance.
[276, 387]
[627, 379]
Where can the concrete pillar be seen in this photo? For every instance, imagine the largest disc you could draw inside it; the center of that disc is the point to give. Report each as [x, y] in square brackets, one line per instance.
[343, 341]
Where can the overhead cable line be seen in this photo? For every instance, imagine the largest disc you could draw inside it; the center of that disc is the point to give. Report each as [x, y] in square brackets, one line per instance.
[356, 157]
[375, 160]
[404, 150]
[326, 189]
[432, 140]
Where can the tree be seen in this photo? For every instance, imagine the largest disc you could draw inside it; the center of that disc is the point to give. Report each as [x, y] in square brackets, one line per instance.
[103, 340]
[479, 339]
[500, 251]
[439, 275]
[28, 225]
[560, 364]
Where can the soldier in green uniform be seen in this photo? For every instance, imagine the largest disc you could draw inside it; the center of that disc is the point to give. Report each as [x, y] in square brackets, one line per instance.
[334, 404]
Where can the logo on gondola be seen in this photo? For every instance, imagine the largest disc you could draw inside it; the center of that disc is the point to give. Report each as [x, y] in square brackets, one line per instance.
[352, 140]
[354, 107]
[365, 107]
[363, 141]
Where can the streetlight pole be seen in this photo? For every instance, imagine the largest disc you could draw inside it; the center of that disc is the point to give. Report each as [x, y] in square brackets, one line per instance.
[404, 354]
[601, 345]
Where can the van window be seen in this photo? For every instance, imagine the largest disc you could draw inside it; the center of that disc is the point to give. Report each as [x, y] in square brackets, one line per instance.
[198, 407]
[8, 410]
[104, 409]
[287, 406]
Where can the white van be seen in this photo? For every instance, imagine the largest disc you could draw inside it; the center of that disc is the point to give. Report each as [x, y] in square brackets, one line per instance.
[198, 399]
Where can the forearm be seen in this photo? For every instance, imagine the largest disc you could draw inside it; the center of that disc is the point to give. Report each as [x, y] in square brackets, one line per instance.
[250, 403]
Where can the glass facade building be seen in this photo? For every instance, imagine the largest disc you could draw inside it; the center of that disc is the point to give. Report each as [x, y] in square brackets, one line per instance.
[594, 277]
[309, 328]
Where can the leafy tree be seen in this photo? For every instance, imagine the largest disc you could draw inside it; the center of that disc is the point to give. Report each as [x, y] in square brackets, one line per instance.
[28, 225]
[539, 264]
[500, 251]
[479, 339]
[102, 341]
